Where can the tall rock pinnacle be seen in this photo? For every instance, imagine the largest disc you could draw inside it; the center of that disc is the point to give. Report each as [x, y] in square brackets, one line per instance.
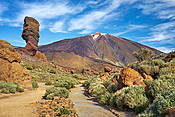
[31, 35]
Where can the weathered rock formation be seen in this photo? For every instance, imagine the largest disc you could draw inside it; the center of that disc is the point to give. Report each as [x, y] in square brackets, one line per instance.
[129, 77]
[31, 35]
[10, 68]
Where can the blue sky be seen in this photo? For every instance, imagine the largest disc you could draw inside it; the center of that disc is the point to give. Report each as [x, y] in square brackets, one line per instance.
[150, 22]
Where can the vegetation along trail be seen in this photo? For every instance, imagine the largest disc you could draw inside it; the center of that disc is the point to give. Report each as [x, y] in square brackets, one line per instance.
[21, 105]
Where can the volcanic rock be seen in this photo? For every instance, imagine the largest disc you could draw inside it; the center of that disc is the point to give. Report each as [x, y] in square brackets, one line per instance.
[11, 70]
[31, 35]
[7, 52]
[129, 77]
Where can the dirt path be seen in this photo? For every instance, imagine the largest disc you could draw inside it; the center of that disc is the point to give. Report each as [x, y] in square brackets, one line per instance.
[21, 105]
[86, 107]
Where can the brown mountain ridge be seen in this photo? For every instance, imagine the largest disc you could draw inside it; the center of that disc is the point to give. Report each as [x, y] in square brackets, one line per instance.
[92, 49]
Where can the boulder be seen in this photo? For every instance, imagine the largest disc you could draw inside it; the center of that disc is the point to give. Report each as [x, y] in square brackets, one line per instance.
[129, 77]
[11, 70]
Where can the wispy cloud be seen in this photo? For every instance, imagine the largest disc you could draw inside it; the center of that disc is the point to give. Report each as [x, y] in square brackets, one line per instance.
[58, 27]
[163, 9]
[165, 49]
[44, 11]
[88, 22]
[130, 28]
[161, 32]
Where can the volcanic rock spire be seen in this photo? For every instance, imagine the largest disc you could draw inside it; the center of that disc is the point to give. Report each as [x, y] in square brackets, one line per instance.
[31, 35]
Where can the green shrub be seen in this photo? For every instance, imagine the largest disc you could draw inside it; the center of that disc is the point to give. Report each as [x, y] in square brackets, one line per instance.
[160, 103]
[104, 98]
[112, 100]
[132, 97]
[56, 91]
[53, 71]
[10, 87]
[91, 80]
[12, 90]
[167, 70]
[112, 88]
[64, 111]
[150, 70]
[64, 83]
[48, 82]
[96, 89]
[158, 87]
[35, 84]
[143, 54]
[169, 76]
[4, 90]
[156, 62]
[29, 67]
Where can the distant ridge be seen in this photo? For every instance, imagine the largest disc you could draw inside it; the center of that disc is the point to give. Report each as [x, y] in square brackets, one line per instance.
[95, 47]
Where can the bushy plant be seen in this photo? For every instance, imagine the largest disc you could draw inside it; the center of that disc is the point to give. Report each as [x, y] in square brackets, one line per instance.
[53, 71]
[112, 100]
[10, 87]
[160, 103]
[104, 98]
[96, 89]
[169, 76]
[29, 67]
[167, 70]
[156, 62]
[91, 80]
[56, 91]
[112, 88]
[64, 83]
[48, 82]
[64, 111]
[158, 87]
[143, 54]
[132, 97]
[35, 84]
[150, 70]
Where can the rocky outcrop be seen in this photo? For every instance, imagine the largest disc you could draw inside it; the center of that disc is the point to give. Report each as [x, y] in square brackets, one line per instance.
[129, 77]
[7, 52]
[31, 35]
[10, 69]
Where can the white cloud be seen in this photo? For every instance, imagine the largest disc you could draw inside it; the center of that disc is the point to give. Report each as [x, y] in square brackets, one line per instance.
[88, 22]
[165, 49]
[163, 9]
[131, 28]
[44, 11]
[58, 27]
[161, 32]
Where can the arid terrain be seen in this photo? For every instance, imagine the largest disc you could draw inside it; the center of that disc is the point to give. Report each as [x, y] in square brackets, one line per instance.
[98, 75]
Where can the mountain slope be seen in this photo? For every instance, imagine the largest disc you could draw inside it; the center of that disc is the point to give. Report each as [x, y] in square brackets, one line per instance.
[97, 47]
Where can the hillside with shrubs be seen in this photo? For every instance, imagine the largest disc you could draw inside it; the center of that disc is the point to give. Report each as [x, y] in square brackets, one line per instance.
[154, 97]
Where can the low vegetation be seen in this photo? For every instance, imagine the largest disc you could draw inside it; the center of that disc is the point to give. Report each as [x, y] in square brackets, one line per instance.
[151, 101]
[10, 87]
